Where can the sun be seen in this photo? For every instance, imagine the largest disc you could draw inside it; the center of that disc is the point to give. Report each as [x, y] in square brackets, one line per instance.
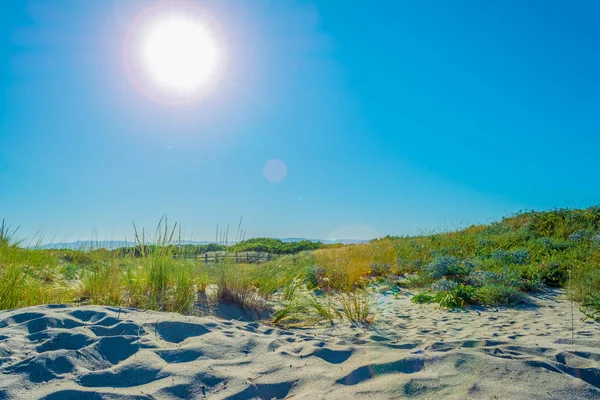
[179, 54]
[173, 52]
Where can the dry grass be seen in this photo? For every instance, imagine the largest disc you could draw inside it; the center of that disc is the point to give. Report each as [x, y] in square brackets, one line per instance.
[346, 266]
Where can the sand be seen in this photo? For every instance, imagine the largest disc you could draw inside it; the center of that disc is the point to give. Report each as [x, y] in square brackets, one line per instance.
[68, 352]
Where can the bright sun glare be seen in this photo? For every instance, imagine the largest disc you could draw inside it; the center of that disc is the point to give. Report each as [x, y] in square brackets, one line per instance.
[179, 54]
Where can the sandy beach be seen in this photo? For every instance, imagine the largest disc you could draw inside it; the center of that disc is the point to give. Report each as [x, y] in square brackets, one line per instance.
[67, 352]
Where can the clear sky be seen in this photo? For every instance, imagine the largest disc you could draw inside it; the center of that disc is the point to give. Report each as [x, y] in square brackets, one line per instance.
[390, 117]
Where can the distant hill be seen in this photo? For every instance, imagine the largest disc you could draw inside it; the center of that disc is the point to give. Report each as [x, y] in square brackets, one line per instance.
[101, 244]
[115, 244]
[87, 244]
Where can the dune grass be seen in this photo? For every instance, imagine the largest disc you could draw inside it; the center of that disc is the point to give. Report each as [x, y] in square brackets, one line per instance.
[495, 264]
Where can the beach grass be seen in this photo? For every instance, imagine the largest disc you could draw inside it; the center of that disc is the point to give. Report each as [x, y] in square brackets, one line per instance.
[491, 265]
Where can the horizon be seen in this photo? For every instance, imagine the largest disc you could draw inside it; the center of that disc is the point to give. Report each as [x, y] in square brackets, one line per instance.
[313, 121]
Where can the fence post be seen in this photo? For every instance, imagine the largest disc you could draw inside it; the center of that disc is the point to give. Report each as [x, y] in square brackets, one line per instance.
[206, 258]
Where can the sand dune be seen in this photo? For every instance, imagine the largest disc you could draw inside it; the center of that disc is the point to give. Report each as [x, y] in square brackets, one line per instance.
[64, 352]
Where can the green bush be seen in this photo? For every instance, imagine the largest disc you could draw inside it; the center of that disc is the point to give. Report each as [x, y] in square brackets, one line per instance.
[457, 297]
[422, 298]
[499, 295]
[275, 246]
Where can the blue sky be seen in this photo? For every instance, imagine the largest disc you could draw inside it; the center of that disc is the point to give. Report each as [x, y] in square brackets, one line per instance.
[394, 118]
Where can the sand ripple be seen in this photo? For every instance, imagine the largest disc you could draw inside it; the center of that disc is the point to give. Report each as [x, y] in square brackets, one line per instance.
[60, 352]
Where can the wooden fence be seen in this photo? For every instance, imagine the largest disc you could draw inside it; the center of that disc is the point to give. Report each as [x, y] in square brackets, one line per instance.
[246, 257]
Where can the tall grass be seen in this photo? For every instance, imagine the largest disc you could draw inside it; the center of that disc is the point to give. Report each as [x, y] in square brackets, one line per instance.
[152, 275]
[235, 287]
[12, 284]
[307, 308]
[357, 307]
[7, 234]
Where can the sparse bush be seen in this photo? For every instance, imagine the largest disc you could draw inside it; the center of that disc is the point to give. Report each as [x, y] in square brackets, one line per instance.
[416, 281]
[468, 265]
[480, 278]
[497, 228]
[551, 272]
[484, 243]
[555, 244]
[499, 295]
[380, 269]
[563, 222]
[444, 285]
[534, 284]
[511, 257]
[577, 236]
[458, 297]
[442, 266]
[422, 298]
[72, 272]
[506, 277]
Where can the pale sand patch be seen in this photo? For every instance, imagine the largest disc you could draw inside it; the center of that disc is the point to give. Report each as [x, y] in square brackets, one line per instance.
[64, 352]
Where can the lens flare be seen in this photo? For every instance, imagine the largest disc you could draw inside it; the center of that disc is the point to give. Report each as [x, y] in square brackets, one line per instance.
[275, 170]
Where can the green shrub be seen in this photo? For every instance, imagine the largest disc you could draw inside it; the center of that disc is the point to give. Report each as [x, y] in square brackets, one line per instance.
[422, 298]
[499, 295]
[550, 272]
[457, 297]
[275, 246]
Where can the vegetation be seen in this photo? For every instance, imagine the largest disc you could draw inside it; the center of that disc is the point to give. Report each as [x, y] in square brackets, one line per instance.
[183, 250]
[261, 245]
[495, 265]
[274, 246]
[591, 309]
[518, 254]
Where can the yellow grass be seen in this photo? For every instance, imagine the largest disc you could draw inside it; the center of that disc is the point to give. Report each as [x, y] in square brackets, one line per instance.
[347, 265]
